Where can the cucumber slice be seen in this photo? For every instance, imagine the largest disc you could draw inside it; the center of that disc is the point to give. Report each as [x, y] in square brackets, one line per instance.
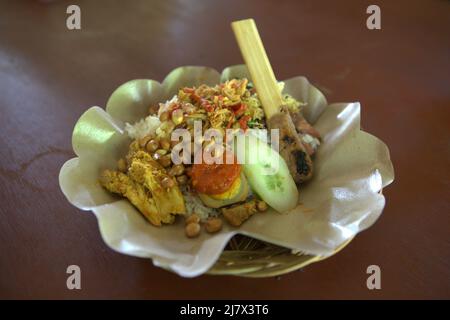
[268, 175]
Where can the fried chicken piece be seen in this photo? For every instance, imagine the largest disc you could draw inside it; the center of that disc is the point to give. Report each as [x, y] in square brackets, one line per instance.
[120, 183]
[236, 215]
[146, 171]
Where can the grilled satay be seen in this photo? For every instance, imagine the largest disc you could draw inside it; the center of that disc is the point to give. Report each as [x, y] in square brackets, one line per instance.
[309, 136]
[291, 147]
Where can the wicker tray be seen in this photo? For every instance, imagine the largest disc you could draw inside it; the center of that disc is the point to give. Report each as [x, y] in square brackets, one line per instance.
[248, 257]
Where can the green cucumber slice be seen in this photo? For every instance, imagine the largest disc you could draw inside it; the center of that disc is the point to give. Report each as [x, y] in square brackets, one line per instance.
[268, 175]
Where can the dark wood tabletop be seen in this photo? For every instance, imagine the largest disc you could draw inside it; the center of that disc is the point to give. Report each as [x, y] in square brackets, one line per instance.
[50, 75]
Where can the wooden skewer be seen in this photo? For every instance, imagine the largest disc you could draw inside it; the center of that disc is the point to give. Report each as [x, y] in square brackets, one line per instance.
[258, 64]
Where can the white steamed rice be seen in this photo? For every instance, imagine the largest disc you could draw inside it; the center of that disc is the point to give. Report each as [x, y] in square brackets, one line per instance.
[195, 205]
[143, 127]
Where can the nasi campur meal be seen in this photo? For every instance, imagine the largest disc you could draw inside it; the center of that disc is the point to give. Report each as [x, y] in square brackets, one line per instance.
[205, 193]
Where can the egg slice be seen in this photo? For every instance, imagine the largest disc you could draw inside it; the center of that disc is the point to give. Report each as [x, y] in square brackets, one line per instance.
[238, 192]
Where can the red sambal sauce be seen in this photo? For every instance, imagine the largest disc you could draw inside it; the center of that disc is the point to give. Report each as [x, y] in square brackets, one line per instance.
[214, 178]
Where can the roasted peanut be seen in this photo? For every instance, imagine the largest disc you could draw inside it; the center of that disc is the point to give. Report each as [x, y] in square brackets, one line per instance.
[213, 225]
[261, 205]
[167, 127]
[164, 116]
[152, 145]
[193, 218]
[161, 152]
[167, 182]
[177, 170]
[192, 230]
[165, 160]
[144, 140]
[177, 116]
[165, 143]
[188, 108]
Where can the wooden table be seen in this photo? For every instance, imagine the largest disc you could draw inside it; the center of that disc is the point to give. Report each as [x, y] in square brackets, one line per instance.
[50, 75]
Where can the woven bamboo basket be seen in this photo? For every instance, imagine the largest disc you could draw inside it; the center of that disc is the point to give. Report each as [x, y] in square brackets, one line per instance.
[248, 257]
